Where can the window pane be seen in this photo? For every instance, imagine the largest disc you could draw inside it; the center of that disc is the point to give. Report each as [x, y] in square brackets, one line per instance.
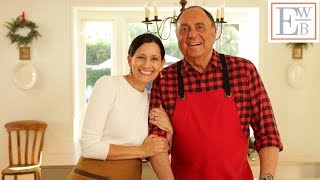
[228, 43]
[98, 38]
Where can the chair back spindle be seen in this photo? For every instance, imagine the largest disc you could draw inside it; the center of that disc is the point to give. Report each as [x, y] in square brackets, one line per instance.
[10, 150]
[27, 148]
[19, 147]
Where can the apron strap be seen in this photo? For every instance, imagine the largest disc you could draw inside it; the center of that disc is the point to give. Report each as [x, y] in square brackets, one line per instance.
[90, 175]
[180, 81]
[225, 76]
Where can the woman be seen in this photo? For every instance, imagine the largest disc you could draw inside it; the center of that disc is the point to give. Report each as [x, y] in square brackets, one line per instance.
[115, 127]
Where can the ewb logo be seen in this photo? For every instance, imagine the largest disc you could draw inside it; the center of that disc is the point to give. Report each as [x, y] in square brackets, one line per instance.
[291, 21]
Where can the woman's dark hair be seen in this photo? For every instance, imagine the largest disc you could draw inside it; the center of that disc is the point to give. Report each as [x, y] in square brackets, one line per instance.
[145, 38]
[204, 10]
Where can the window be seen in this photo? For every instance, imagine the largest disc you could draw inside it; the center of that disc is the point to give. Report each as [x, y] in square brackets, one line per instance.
[98, 38]
[102, 37]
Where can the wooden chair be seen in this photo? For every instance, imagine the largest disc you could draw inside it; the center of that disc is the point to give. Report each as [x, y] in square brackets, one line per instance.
[29, 140]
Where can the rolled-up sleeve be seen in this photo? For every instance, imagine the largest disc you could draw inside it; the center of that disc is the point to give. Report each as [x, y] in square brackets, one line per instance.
[98, 108]
[262, 118]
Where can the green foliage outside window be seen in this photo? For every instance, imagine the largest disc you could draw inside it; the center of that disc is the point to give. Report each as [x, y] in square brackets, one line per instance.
[97, 52]
[229, 40]
[172, 49]
[135, 29]
[94, 75]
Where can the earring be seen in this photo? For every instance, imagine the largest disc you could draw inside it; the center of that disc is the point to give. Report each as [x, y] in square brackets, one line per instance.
[160, 74]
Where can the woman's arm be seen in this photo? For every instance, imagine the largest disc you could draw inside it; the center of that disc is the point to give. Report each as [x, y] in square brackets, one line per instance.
[100, 104]
[151, 146]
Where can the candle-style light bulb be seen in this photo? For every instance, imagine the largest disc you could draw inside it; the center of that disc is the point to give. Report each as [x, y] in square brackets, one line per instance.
[146, 11]
[155, 6]
[218, 14]
[174, 13]
[222, 12]
[155, 10]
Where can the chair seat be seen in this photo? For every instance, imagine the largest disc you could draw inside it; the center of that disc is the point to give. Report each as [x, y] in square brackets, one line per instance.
[21, 169]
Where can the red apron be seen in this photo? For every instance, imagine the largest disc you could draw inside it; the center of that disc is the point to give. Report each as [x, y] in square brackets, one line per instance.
[208, 143]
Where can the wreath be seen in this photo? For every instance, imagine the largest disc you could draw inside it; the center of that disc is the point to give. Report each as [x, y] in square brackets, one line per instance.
[18, 23]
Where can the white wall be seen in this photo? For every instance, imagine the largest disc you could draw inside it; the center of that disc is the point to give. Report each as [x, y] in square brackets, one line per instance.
[51, 99]
[296, 110]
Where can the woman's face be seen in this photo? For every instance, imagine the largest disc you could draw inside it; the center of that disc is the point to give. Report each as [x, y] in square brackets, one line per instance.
[146, 62]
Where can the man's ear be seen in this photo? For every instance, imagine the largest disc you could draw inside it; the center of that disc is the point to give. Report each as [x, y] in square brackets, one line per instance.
[214, 33]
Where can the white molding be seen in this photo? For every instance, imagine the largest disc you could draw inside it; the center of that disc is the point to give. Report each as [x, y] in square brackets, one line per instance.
[165, 3]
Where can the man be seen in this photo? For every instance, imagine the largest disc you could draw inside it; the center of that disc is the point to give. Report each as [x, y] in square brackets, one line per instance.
[212, 99]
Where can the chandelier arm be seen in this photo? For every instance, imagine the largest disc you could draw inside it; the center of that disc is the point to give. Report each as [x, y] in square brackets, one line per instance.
[149, 31]
[160, 31]
[169, 32]
[219, 27]
[163, 23]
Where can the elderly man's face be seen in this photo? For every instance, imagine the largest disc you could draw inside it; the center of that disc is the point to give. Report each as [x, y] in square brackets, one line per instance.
[195, 33]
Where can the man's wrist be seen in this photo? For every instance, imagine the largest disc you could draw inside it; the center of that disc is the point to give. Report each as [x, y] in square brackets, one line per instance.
[266, 177]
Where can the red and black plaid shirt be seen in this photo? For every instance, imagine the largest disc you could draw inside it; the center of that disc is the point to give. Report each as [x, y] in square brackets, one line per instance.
[252, 101]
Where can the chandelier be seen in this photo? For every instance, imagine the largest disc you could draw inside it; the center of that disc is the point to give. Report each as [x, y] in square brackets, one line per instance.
[157, 25]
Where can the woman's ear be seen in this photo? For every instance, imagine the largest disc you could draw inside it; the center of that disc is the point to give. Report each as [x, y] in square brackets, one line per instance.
[129, 60]
[162, 64]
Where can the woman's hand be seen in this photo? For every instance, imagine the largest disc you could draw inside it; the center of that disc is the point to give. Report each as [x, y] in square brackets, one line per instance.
[153, 145]
[159, 117]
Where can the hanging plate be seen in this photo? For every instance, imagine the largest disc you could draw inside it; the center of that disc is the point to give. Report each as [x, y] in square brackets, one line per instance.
[296, 75]
[24, 75]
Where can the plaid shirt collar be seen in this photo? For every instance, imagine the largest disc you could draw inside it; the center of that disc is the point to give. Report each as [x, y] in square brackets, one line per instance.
[213, 63]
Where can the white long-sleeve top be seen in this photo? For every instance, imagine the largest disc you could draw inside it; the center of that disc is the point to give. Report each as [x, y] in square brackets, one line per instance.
[116, 114]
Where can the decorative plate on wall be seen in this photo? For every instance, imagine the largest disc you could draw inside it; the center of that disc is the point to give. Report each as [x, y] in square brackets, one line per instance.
[296, 75]
[24, 75]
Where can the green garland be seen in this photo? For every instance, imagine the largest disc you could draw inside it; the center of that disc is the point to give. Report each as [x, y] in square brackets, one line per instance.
[303, 45]
[22, 41]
